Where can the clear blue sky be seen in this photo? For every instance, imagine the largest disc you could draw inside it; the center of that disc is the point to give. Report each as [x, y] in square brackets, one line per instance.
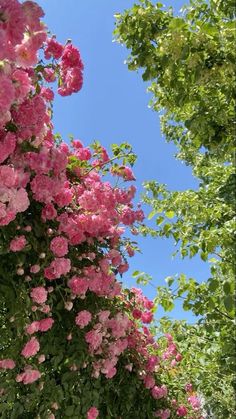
[113, 107]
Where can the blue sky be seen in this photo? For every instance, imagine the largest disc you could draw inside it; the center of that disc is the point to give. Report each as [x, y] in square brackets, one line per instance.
[113, 107]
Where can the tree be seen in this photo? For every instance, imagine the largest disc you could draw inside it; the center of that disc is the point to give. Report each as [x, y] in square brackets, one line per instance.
[189, 60]
[74, 343]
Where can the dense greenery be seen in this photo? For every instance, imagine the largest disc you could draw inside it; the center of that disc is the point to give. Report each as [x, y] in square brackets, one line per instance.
[189, 60]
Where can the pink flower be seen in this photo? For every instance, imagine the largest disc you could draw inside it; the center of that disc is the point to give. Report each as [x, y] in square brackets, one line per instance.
[178, 357]
[22, 84]
[71, 57]
[49, 212]
[7, 93]
[195, 402]
[32, 328]
[83, 318]
[147, 317]
[159, 392]
[7, 145]
[78, 286]
[45, 324]
[182, 411]
[153, 360]
[137, 313]
[32, 14]
[39, 295]
[94, 339]
[34, 269]
[92, 413]
[47, 93]
[18, 243]
[12, 21]
[163, 414]
[188, 387]
[53, 49]
[29, 376]
[31, 348]
[59, 246]
[57, 268]
[7, 364]
[149, 381]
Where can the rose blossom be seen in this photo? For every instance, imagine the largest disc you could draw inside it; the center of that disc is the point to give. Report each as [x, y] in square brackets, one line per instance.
[28, 376]
[92, 413]
[59, 246]
[30, 348]
[45, 324]
[83, 318]
[182, 411]
[7, 364]
[39, 295]
[18, 243]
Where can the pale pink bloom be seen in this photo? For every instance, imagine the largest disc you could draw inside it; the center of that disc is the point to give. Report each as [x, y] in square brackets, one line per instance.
[92, 413]
[18, 243]
[29, 376]
[162, 414]
[195, 402]
[39, 295]
[94, 339]
[34, 269]
[41, 358]
[68, 305]
[55, 406]
[83, 318]
[31, 348]
[59, 246]
[188, 387]
[149, 381]
[32, 328]
[159, 392]
[7, 364]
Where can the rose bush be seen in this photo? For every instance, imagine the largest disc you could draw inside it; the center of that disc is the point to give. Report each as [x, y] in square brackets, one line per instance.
[73, 341]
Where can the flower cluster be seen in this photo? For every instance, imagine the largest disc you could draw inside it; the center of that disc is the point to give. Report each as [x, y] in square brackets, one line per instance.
[62, 242]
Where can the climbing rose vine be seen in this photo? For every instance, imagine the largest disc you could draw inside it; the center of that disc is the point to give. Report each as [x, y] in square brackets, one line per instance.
[74, 343]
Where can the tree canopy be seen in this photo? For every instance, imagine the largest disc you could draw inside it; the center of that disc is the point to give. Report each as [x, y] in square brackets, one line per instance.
[189, 60]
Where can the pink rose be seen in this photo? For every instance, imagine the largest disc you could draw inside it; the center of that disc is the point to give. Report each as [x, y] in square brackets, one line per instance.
[7, 364]
[31, 348]
[29, 376]
[83, 318]
[182, 411]
[59, 246]
[39, 295]
[92, 413]
[18, 243]
[45, 324]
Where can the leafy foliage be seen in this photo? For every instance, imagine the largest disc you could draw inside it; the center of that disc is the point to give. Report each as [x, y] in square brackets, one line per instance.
[190, 61]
